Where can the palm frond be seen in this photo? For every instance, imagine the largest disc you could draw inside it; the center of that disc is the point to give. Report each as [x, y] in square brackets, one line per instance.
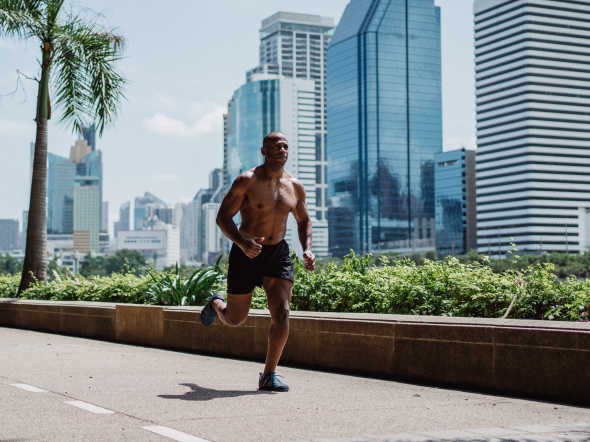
[21, 19]
[87, 83]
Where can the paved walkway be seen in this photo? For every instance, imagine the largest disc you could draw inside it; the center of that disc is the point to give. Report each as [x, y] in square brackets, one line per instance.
[59, 388]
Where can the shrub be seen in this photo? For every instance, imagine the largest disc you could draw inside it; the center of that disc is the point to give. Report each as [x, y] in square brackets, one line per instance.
[171, 288]
[9, 285]
[384, 284]
[115, 288]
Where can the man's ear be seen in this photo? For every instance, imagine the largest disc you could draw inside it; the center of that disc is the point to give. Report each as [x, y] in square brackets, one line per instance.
[263, 151]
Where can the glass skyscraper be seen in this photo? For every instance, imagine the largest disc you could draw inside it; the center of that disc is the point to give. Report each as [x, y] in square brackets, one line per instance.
[270, 103]
[454, 196]
[384, 126]
[286, 92]
[60, 194]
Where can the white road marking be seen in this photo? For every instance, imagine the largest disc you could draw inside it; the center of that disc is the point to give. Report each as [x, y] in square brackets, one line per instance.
[29, 388]
[89, 407]
[173, 434]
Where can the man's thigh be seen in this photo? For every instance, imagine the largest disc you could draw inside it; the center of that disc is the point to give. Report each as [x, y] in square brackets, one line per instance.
[238, 305]
[278, 293]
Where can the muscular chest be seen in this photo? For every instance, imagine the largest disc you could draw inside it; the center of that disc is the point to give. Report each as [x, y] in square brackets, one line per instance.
[265, 197]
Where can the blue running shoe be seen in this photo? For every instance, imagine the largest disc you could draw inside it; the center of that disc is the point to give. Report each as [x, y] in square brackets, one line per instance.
[208, 314]
[271, 382]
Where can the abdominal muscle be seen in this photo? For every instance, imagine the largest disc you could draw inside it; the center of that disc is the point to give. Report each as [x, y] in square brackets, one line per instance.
[272, 227]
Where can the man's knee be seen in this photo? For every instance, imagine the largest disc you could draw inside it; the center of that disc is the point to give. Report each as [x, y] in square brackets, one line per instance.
[236, 321]
[280, 315]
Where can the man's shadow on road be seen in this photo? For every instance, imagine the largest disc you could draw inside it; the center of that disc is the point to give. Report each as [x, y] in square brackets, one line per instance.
[197, 393]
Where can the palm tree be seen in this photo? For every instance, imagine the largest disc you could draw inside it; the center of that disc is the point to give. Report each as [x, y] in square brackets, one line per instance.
[77, 65]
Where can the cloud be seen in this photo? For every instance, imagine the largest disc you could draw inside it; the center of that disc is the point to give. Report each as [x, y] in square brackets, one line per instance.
[206, 122]
[8, 127]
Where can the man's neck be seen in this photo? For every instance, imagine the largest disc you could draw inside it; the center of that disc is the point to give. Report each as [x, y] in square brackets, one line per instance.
[273, 171]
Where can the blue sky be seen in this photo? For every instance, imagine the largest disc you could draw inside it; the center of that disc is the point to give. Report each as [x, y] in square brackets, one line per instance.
[183, 62]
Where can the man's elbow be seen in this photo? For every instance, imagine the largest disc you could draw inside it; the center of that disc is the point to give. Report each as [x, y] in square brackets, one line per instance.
[304, 222]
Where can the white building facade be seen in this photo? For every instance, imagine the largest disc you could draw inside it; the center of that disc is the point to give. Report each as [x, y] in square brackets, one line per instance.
[533, 125]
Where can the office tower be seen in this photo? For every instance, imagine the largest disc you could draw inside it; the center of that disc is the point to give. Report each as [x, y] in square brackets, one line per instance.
[225, 174]
[79, 150]
[188, 231]
[288, 92]
[164, 214]
[454, 202]
[89, 134]
[158, 242]
[8, 235]
[104, 217]
[177, 214]
[271, 103]
[144, 208]
[384, 126]
[86, 214]
[24, 232]
[89, 165]
[531, 64]
[124, 222]
[60, 194]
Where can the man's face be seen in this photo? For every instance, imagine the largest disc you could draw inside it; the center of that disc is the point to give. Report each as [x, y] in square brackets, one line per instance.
[276, 150]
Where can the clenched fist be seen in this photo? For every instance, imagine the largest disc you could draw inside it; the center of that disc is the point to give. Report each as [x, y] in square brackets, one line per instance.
[252, 246]
[309, 259]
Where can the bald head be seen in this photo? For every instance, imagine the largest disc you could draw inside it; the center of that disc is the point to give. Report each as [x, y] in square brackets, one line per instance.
[272, 138]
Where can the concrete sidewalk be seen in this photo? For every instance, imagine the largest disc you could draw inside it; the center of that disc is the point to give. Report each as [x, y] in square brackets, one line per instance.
[97, 391]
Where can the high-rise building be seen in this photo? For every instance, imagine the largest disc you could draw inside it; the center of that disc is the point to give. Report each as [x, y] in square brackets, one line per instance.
[8, 235]
[533, 160]
[225, 173]
[89, 134]
[144, 208]
[454, 202]
[86, 214]
[60, 194]
[79, 150]
[272, 103]
[104, 217]
[23, 241]
[384, 126]
[124, 222]
[91, 166]
[288, 92]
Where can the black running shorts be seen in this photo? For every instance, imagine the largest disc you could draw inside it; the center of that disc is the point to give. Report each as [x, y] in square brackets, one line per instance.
[245, 273]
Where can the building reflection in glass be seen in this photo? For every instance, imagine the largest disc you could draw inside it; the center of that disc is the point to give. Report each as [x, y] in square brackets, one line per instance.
[455, 216]
[384, 126]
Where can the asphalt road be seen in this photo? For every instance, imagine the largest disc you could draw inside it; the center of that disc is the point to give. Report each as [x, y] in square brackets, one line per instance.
[59, 388]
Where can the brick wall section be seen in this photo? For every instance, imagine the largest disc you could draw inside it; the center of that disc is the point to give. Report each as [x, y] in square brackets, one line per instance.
[542, 359]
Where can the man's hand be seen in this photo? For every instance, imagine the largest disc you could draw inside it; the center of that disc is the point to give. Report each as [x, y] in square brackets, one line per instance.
[251, 246]
[309, 259]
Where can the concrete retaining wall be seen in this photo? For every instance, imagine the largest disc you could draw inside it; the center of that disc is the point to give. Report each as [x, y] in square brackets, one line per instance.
[542, 359]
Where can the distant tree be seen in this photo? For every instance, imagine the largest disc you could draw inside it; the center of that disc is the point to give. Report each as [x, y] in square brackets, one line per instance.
[77, 65]
[93, 266]
[126, 261]
[10, 265]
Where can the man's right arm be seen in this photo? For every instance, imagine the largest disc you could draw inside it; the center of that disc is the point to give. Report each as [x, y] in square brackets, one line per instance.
[229, 207]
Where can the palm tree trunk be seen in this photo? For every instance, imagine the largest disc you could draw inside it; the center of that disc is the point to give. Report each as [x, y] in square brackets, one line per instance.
[35, 263]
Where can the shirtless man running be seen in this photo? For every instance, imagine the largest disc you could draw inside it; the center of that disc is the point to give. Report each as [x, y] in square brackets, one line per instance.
[264, 196]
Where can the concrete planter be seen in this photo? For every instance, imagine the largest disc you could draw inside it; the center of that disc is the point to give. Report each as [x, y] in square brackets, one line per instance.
[543, 359]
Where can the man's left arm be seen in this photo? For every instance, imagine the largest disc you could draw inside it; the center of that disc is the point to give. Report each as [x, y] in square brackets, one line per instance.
[303, 226]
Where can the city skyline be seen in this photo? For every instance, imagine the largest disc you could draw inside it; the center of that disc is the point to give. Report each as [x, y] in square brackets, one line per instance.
[166, 131]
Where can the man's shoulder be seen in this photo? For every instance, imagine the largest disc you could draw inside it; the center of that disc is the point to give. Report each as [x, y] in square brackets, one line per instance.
[297, 185]
[244, 179]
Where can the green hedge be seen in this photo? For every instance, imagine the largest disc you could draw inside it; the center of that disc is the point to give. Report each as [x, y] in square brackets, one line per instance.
[447, 288]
